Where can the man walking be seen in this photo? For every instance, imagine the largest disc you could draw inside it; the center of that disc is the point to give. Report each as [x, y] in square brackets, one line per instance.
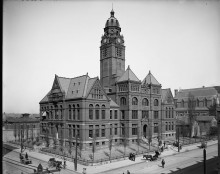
[163, 163]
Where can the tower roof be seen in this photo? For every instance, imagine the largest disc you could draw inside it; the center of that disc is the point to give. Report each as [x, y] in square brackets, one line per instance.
[128, 75]
[112, 21]
[150, 79]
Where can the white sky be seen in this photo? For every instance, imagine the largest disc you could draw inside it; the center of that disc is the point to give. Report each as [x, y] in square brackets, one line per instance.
[178, 41]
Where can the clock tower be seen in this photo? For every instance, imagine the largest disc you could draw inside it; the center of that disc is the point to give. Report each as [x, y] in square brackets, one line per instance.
[112, 55]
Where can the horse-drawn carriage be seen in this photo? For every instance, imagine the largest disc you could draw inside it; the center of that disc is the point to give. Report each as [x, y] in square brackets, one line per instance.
[25, 160]
[152, 157]
[53, 163]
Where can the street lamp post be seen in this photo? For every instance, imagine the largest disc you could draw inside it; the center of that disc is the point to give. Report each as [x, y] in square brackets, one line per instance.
[75, 162]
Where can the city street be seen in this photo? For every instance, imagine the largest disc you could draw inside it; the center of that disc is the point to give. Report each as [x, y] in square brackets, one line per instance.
[176, 162]
[173, 163]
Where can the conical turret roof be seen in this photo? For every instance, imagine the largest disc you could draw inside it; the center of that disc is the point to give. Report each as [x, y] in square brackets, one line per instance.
[128, 75]
[150, 79]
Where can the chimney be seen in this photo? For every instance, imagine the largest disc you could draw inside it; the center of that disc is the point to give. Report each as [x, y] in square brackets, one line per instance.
[175, 92]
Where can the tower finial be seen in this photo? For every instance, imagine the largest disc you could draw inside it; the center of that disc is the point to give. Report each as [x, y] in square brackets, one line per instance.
[112, 12]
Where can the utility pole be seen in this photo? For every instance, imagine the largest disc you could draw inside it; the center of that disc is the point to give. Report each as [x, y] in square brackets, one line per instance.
[178, 138]
[218, 124]
[76, 153]
[204, 161]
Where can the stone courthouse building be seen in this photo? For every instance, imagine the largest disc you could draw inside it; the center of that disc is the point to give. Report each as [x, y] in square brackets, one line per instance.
[117, 105]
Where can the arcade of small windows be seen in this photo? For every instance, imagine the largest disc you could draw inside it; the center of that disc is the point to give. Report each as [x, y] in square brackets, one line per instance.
[74, 112]
[134, 101]
[96, 93]
[195, 103]
[55, 112]
[97, 111]
[156, 91]
[105, 52]
[74, 130]
[169, 113]
[134, 87]
[123, 87]
[169, 126]
[145, 102]
[118, 52]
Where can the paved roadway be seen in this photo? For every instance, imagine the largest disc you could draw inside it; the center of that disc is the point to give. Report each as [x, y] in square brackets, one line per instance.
[12, 165]
[173, 163]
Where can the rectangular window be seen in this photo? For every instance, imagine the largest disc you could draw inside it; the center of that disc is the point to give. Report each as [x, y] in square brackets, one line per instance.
[74, 114]
[134, 129]
[110, 114]
[97, 130]
[97, 113]
[123, 115]
[116, 114]
[166, 126]
[145, 114]
[90, 114]
[78, 114]
[134, 114]
[156, 113]
[116, 130]
[103, 114]
[74, 130]
[103, 130]
[90, 131]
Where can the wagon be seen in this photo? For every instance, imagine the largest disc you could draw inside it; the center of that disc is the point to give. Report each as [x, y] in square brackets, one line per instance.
[53, 163]
[25, 160]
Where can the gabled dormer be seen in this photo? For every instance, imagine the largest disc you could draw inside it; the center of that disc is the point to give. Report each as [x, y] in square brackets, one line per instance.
[95, 90]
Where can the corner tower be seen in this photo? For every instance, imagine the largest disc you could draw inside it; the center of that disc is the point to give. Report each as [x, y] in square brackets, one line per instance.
[112, 54]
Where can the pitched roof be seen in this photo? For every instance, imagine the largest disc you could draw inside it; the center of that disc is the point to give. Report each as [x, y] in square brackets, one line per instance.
[77, 87]
[112, 103]
[128, 75]
[207, 92]
[150, 79]
[166, 95]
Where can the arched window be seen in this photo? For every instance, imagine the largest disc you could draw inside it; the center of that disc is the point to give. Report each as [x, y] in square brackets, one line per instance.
[78, 112]
[70, 114]
[134, 101]
[166, 112]
[156, 102]
[172, 114]
[169, 113]
[103, 111]
[145, 102]
[74, 112]
[123, 101]
[56, 112]
[91, 111]
[97, 111]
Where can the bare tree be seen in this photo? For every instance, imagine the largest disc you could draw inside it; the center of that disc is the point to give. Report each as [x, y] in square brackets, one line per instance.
[125, 141]
[19, 132]
[15, 131]
[80, 147]
[191, 111]
[47, 137]
[27, 131]
[32, 133]
[93, 147]
[70, 137]
[110, 146]
[138, 138]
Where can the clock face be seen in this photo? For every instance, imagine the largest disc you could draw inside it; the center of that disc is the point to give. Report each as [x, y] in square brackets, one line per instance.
[104, 40]
[119, 40]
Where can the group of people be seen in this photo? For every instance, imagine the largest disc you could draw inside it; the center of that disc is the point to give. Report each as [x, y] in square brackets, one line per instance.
[26, 156]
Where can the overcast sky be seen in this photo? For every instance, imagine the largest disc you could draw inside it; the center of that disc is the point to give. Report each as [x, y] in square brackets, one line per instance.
[178, 41]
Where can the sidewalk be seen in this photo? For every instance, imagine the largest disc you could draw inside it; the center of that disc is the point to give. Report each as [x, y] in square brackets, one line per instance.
[98, 168]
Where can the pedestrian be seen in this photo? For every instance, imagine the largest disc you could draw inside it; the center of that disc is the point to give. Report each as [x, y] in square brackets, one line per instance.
[26, 155]
[164, 144]
[64, 163]
[163, 163]
[134, 157]
[128, 172]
